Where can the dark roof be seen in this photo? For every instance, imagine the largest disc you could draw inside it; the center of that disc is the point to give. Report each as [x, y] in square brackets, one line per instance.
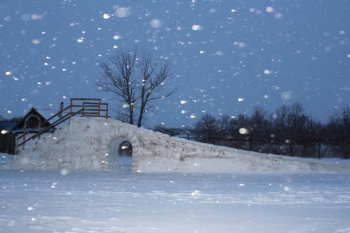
[31, 120]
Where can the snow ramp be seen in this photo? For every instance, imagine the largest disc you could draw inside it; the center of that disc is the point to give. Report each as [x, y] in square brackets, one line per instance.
[93, 143]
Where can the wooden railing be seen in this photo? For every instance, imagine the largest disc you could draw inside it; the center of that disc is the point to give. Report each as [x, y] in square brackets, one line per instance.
[85, 107]
[90, 107]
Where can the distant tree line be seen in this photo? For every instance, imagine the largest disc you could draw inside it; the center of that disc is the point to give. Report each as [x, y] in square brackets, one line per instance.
[10, 119]
[287, 131]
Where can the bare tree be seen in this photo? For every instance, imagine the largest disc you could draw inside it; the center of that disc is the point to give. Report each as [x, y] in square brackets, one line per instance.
[153, 77]
[259, 123]
[338, 132]
[206, 128]
[135, 82]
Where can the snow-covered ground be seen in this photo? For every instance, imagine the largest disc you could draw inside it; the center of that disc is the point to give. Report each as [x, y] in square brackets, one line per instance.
[5, 158]
[123, 201]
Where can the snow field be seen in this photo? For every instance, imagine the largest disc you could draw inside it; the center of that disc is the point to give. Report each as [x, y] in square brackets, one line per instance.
[123, 201]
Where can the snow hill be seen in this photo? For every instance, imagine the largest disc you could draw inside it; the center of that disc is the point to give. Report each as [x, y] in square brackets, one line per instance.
[92, 143]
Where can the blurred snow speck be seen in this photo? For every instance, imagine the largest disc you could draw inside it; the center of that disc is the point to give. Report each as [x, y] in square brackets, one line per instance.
[239, 44]
[36, 41]
[243, 131]
[106, 16]
[156, 23]
[278, 15]
[197, 27]
[64, 172]
[24, 160]
[196, 192]
[122, 12]
[286, 95]
[270, 9]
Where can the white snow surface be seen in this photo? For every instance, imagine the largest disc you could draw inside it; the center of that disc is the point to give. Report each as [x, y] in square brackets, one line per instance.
[123, 201]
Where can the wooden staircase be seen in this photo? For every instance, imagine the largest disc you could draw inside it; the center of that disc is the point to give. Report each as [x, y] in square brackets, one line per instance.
[84, 107]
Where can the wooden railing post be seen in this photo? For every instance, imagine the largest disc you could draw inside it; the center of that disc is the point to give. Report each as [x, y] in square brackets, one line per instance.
[24, 135]
[61, 109]
[70, 108]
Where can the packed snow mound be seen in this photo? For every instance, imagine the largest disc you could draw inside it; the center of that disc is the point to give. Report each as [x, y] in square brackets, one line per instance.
[44, 153]
[92, 143]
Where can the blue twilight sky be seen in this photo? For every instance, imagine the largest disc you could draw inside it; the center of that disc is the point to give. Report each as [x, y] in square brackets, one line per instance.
[228, 55]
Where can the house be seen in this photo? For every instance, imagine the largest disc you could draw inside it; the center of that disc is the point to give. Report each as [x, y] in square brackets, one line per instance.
[33, 121]
[30, 124]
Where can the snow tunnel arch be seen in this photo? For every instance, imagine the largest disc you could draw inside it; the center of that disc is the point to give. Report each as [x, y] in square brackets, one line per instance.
[116, 138]
[114, 152]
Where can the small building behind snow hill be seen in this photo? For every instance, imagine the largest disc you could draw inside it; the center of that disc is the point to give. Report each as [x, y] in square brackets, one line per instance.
[29, 125]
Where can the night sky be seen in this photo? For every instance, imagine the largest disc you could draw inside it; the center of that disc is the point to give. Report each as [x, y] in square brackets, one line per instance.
[227, 56]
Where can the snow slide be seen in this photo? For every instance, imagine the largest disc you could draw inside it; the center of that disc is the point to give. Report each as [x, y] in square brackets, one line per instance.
[92, 144]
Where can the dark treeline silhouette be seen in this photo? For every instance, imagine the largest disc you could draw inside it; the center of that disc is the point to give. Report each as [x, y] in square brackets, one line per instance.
[5, 126]
[287, 131]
